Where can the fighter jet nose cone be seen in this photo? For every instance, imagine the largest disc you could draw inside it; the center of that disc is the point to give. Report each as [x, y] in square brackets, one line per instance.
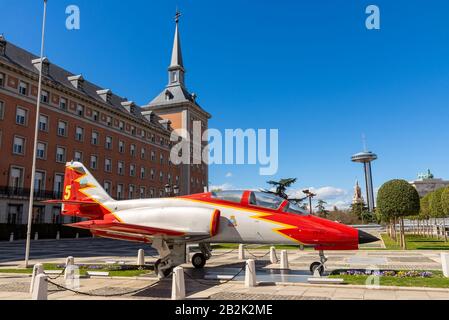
[365, 237]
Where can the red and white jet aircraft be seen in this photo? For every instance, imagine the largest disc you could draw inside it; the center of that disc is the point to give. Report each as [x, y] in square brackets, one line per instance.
[168, 224]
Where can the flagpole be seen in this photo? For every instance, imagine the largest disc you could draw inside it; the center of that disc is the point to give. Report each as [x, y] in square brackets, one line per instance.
[36, 131]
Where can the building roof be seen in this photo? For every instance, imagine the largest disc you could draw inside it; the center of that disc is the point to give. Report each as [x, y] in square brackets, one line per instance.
[22, 59]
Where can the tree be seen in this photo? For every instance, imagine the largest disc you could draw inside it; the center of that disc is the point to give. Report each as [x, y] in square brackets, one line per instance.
[281, 187]
[360, 210]
[321, 208]
[396, 199]
[445, 206]
[436, 204]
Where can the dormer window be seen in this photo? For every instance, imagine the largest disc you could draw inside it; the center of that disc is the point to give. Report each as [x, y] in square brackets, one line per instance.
[168, 95]
[77, 81]
[105, 95]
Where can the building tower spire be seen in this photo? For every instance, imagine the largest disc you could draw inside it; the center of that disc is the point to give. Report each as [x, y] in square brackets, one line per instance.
[176, 69]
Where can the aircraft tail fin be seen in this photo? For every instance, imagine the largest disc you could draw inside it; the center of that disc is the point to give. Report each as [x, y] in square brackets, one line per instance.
[82, 195]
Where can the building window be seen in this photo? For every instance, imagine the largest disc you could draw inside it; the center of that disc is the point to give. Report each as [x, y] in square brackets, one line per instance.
[142, 192]
[151, 193]
[153, 156]
[19, 145]
[169, 178]
[107, 165]
[23, 88]
[45, 96]
[132, 170]
[39, 181]
[58, 185]
[142, 153]
[142, 173]
[94, 138]
[120, 167]
[2, 79]
[80, 110]
[107, 187]
[56, 215]
[79, 134]
[2, 109]
[161, 176]
[16, 178]
[161, 193]
[60, 154]
[132, 150]
[109, 121]
[38, 214]
[95, 115]
[15, 213]
[93, 162]
[62, 128]
[162, 158]
[121, 146]
[119, 191]
[133, 130]
[152, 174]
[131, 192]
[108, 144]
[78, 156]
[41, 151]
[43, 123]
[153, 138]
[21, 116]
[63, 103]
[121, 125]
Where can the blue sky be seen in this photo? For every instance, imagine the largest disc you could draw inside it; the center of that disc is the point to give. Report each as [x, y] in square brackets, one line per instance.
[309, 68]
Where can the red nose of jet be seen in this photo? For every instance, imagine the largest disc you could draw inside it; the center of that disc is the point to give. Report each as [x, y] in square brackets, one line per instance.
[365, 237]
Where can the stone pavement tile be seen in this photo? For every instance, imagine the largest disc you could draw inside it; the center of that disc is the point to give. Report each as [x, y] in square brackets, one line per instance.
[378, 294]
[434, 295]
[411, 295]
[348, 293]
[319, 292]
[291, 290]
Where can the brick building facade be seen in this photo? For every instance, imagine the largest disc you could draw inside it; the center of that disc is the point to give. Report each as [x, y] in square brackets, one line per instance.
[125, 146]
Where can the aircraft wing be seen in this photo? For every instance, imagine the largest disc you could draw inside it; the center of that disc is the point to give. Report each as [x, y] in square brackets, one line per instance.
[112, 228]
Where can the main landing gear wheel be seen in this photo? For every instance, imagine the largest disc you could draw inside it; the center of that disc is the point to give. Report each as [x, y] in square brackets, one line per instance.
[317, 265]
[162, 273]
[198, 260]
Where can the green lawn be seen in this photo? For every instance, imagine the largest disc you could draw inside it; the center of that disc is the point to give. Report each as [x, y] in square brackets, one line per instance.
[415, 242]
[83, 270]
[437, 280]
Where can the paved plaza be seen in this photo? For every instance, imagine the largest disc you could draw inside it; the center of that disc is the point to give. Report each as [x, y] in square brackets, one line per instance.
[273, 283]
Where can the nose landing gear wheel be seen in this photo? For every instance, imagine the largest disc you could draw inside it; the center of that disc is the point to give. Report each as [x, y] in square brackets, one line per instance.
[198, 260]
[317, 265]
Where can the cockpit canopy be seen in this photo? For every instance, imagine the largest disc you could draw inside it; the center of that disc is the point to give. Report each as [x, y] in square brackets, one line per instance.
[258, 199]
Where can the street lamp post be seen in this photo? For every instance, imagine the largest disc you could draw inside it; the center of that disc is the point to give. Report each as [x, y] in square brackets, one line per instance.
[309, 195]
[36, 130]
[169, 189]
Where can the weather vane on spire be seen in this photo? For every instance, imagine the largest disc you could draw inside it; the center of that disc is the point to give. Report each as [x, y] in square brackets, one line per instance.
[177, 16]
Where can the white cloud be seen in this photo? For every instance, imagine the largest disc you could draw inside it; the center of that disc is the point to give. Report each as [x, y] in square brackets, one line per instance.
[224, 186]
[229, 174]
[332, 195]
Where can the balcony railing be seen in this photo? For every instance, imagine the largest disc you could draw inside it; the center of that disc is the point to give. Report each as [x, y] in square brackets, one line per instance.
[24, 193]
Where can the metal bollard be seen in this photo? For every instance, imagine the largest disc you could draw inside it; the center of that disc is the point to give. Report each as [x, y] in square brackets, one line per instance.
[273, 258]
[11, 237]
[445, 264]
[284, 260]
[250, 273]
[178, 291]
[77, 235]
[37, 270]
[140, 257]
[36, 236]
[241, 252]
[40, 290]
[57, 235]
